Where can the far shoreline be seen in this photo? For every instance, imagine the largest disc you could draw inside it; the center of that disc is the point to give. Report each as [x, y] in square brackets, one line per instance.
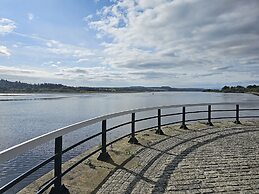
[115, 92]
[102, 92]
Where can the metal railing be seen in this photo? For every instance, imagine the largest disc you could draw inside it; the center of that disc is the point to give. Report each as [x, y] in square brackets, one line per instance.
[58, 134]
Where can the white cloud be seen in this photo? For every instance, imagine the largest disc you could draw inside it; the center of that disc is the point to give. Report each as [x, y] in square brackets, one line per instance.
[30, 16]
[88, 18]
[96, 74]
[6, 26]
[51, 51]
[84, 75]
[59, 48]
[51, 64]
[152, 42]
[25, 71]
[82, 60]
[4, 51]
[181, 36]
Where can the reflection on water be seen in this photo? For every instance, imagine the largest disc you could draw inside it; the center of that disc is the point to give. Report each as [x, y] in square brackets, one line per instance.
[26, 116]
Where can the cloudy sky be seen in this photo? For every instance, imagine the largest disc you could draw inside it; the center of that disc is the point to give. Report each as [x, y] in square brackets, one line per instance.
[180, 43]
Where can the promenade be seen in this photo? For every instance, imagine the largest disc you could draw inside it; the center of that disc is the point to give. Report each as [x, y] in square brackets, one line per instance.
[219, 159]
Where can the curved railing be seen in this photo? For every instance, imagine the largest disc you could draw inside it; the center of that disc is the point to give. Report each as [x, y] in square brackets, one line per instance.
[57, 135]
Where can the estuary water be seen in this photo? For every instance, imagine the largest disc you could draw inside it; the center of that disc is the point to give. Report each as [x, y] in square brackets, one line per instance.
[25, 116]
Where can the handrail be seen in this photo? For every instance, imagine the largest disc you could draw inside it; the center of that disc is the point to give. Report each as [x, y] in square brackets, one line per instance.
[32, 143]
[59, 133]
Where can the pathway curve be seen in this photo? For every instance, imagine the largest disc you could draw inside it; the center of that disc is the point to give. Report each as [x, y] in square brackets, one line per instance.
[212, 160]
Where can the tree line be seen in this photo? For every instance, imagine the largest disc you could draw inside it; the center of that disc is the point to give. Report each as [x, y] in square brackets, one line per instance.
[20, 87]
[237, 89]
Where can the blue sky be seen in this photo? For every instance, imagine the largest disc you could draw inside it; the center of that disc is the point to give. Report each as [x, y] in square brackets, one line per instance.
[181, 43]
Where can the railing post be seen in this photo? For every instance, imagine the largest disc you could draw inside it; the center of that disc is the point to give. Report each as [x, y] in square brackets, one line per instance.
[237, 115]
[183, 126]
[159, 130]
[209, 116]
[104, 155]
[58, 187]
[133, 139]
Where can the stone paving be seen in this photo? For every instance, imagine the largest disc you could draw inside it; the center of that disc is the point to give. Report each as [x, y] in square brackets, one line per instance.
[211, 160]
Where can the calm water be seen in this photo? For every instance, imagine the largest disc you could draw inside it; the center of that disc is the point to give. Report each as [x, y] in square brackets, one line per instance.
[26, 116]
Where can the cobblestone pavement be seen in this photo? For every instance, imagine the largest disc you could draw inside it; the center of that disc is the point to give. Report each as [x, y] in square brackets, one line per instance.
[207, 161]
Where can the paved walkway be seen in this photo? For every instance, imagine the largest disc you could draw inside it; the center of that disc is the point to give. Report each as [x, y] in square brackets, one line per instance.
[207, 161]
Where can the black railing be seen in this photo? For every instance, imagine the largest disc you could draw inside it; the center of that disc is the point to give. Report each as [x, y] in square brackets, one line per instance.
[56, 181]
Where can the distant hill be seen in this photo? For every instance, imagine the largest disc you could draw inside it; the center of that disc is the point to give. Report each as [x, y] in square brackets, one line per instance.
[19, 87]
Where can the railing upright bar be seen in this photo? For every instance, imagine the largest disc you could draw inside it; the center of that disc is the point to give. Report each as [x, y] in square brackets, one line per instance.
[104, 155]
[209, 116]
[58, 162]
[237, 121]
[183, 126]
[159, 130]
[133, 139]
[58, 187]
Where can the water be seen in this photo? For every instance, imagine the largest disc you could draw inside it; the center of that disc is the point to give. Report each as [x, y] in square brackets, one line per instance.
[23, 117]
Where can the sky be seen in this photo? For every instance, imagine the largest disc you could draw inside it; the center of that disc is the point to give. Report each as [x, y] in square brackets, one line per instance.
[177, 43]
